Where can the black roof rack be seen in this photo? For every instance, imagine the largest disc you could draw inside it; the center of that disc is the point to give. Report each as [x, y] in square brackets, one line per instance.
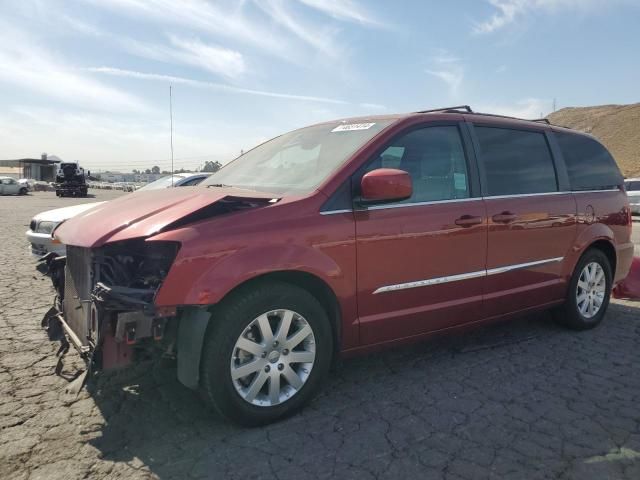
[448, 109]
[467, 109]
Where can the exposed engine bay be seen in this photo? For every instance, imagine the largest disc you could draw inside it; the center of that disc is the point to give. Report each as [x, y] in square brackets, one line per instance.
[104, 302]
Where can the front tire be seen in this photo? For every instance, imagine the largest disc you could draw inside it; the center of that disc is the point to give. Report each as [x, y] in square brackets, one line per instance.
[266, 353]
[589, 292]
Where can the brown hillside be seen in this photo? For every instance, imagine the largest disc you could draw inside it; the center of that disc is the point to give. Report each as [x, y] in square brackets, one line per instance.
[616, 126]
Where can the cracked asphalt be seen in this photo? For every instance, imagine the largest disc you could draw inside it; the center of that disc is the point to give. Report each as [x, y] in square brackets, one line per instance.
[519, 400]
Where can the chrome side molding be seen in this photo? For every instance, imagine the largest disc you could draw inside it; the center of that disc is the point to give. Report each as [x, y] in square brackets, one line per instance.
[431, 281]
[519, 266]
[464, 276]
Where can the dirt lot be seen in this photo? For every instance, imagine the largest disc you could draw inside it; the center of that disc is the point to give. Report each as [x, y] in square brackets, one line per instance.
[526, 399]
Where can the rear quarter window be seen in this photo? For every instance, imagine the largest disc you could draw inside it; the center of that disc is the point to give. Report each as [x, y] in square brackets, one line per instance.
[589, 165]
[516, 161]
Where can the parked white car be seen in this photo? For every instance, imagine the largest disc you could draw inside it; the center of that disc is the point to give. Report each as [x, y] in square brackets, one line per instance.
[27, 182]
[10, 186]
[43, 224]
[632, 186]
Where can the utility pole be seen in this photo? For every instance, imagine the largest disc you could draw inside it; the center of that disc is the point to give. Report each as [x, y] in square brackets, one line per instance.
[171, 130]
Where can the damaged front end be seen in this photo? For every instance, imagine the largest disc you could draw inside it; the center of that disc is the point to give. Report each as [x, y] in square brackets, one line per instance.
[104, 303]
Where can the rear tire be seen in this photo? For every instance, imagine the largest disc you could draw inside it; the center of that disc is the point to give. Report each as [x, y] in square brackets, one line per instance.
[588, 294]
[247, 319]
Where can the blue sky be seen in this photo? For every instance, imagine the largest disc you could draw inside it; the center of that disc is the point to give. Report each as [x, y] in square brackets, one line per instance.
[88, 80]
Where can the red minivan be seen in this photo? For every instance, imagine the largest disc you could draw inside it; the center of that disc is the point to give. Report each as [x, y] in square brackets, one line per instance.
[342, 238]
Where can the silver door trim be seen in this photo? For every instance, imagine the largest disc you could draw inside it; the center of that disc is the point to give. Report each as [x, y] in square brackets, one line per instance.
[464, 276]
[519, 266]
[597, 191]
[334, 212]
[470, 199]
[431, 281]
[525, 195]
[419, 204]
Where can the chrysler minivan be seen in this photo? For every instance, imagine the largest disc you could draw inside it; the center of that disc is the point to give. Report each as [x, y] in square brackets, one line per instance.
[342, 238]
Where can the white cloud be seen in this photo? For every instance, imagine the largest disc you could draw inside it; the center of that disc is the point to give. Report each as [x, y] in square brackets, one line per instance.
[187, 51]
[206, 17]
[26, 65]
[510, 11]
[320, 38]
[211, 57]
[447, 68]
[215, 86]
[346, 10]
[246, 25]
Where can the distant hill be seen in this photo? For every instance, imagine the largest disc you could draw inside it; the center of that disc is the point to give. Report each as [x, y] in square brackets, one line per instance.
[616, 126]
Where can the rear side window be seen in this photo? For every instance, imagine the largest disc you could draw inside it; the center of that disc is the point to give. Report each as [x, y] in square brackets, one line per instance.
[516, 161]
[589, 165]
[632, 186]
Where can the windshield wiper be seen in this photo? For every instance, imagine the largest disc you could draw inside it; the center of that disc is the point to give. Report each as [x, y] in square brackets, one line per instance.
[219, 185]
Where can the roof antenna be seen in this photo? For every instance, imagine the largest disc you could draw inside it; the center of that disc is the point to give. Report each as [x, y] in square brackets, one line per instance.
[171, 130]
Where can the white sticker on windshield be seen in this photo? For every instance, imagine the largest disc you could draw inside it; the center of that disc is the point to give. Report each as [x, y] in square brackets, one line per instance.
[353, 126]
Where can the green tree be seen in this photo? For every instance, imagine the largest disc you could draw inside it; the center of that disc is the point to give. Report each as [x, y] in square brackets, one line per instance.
[211, 166]
[155, 169]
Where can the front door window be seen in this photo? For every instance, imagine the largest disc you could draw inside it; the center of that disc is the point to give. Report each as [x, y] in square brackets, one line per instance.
[435, 159]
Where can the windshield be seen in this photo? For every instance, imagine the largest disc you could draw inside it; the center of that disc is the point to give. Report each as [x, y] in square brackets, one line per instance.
[298, 161]
[164, 182]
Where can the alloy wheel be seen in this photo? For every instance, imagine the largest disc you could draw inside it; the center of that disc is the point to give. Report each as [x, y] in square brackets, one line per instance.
[591, 289]
[273, 358]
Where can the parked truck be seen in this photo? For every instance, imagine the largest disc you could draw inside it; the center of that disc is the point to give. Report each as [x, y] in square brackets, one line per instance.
[70, 181]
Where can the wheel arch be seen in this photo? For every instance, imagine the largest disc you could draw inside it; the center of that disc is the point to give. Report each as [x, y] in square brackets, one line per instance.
[606, 247]
[597, 235]
[196, 321]
[313, 284]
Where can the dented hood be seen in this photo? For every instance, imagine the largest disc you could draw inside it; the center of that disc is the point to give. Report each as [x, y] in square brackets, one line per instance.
[142, 214]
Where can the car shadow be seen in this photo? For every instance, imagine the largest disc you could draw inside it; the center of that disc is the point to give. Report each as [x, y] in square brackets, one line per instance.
[481, 387]
[88, 195]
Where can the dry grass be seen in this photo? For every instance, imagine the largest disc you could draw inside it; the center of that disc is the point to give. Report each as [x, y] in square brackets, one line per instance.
[616, 126]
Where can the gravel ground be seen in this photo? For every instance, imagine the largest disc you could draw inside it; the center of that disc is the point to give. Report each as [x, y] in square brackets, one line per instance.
[522, 400]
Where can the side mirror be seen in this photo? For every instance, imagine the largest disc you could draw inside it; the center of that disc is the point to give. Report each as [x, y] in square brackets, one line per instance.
[385, 185]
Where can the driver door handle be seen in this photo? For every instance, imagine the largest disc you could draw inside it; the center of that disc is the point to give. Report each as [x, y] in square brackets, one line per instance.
[468, 221]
